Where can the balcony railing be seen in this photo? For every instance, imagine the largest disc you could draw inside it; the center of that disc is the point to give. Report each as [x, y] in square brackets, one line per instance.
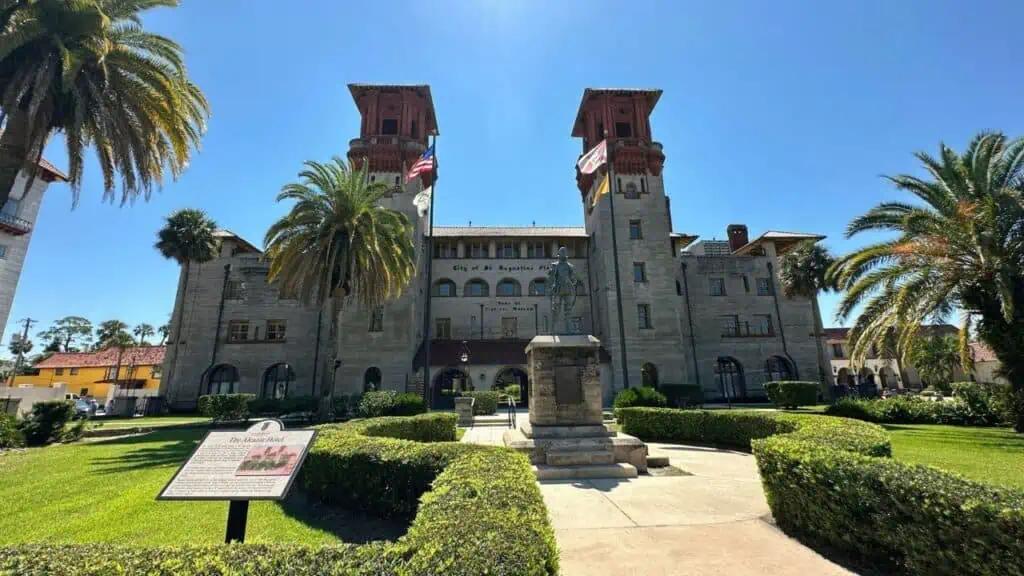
[523, 331]
[745, 330]
[14, 225]
[400, 141]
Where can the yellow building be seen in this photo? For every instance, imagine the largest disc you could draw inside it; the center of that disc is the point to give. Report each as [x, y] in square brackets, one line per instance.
[93, 373]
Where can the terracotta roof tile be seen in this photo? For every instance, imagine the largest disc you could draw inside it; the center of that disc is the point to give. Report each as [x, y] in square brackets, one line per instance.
[138, 355]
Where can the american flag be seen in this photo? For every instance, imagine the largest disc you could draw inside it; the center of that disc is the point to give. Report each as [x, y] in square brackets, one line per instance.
[424, 164]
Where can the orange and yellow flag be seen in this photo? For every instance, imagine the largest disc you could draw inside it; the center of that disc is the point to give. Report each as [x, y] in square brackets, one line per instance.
[601, 191]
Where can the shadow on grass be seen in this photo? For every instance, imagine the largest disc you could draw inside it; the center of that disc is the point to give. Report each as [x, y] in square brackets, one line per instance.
[155, 449]
[1003, 438]
[351, 527]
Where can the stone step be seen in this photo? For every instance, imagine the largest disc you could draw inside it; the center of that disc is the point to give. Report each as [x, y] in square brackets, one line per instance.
[544, 472]
[657, 461]
[580, 457]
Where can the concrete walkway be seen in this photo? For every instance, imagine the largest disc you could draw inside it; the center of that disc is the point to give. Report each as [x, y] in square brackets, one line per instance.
[713, 521]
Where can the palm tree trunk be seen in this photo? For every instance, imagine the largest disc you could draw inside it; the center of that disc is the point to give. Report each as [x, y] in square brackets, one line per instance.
[823, 366]
[13, 151]
[182, 288]
[327, 400]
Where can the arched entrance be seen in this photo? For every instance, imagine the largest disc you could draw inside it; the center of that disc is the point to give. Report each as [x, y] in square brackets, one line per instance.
[515, 376]
[447, 384]
[866, 376]
[844, 377]
[778, 369]
[729, 373]
[277, 379]
[223, 379]
[888, 379]
[649, 375]
[372, 379]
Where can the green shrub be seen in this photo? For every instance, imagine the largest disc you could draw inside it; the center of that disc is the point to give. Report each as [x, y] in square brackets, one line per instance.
[514, 390]
[377, 403]
[792, 394]
[408, 404]
[226, 407]
[974, 406]
[683, 395]
[486, 402]
[853, 408]
[282, 406]
[46, 423]
[641, 396]
[436, 427]
[10, 433]
[346, 406]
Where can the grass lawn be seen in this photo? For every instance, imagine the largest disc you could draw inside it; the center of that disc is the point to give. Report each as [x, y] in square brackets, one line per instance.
[146, 422]
[105, 491]
[994, 455]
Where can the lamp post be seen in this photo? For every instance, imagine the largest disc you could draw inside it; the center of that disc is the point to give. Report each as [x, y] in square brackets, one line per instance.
[464, 358]
[334, 378]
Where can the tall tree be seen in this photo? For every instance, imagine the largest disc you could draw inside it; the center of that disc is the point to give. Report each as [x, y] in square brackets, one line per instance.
[936, 359]
[19, 346]
[802, 273]
[188, 236]
[163, 331]
[960, 249]
[70, 331]
[143, 331]
[337, 241]
[110, 333]
[89, 70]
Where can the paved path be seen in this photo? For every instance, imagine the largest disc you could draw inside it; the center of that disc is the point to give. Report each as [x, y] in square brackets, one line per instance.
[714, 521]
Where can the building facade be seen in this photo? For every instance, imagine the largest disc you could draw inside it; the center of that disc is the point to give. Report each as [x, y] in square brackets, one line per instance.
[886, 372]
[668, 309]
[17, 219]
[96, 374]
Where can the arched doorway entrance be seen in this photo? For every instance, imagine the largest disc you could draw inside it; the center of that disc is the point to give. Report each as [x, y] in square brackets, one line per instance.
[649, 375]
[729, 373]
[888, 379]
[778, 369]
[372, 379]
[223, 379]
[447, 384]
[866, 376]
[844, 377]
[512, 376]
[277, 379]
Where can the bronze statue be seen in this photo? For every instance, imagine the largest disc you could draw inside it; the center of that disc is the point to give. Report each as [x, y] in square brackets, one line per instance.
[562, 283]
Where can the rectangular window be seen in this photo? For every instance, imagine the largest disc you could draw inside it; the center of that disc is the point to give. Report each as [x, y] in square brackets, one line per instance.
[635, 232]
[238, 330]
[58, 371]
[837, 351]
[275, 329]
[746, 285]
[414, 131]
[509, 328]
[235, 290]
[389, 126]
[508, 249]
[508, 288]
[83, 392]
[764, 287]
[717, 286]
[477, 288]
[445, 289]
[639, 272]
[477, 250]
[536, 250]
[3, 250]
[623, 130]
[10, 207]
[156, 372]
[763, 325]
[730, 325]
[643, 185]
[111, 373]
[538, 287]
[377, 319]
[643, 316]
[446, 250]
[600, 131]
[74, 371]
[443, 328]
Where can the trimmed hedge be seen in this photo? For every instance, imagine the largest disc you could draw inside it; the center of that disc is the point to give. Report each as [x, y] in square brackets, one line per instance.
[973, 405]
[226, 407]
[282, 406]
[792, 394]
[390, 403]
[486, 401]
[346, 406]
[828, 481]
[479, 512]
[683, 395]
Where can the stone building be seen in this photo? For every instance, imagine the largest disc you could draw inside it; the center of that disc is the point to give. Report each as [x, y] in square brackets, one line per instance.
[683, 311]
[885, 371]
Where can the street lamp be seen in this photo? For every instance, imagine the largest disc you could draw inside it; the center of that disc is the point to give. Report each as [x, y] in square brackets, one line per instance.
[464, 358]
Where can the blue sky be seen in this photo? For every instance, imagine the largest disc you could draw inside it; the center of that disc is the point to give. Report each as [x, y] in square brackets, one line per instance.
[781, 115]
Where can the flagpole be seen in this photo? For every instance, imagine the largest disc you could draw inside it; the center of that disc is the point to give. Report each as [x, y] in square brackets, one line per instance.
[430, 275]
[615, 260]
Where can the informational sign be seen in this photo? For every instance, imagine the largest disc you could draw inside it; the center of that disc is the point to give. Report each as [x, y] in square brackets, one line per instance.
[255, 464]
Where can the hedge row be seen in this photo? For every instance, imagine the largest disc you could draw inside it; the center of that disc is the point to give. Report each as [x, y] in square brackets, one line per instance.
[390, 403]
[479, 512]
[829, 481]
[973, 404]
[683, 395]
[486, 402]
[235, 407]
[792, 393]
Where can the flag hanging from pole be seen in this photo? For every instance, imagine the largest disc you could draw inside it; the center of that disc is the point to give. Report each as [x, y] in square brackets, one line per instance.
[422, 201]
[601, 191]
[425, 163]
[594, 159]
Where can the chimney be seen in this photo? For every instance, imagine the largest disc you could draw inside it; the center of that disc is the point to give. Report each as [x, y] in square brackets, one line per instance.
[737, 236]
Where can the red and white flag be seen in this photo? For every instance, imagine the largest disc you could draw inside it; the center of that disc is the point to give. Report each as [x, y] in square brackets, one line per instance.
[593, 159]
[425, 163]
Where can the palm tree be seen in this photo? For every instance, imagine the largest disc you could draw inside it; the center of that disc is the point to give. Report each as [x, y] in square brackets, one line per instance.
[188, 236]
[338, 241]
[960, 249]
[143, 331]
[802, 273]
[88, 69]
[935, 358]
[110, 333]
[164, 330]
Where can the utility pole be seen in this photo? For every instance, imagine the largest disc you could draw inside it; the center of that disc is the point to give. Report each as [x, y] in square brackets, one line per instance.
[24, 338]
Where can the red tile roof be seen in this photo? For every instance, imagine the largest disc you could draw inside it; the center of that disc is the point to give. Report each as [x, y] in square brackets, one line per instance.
[926, 330]
[982, 353]
[138, 355]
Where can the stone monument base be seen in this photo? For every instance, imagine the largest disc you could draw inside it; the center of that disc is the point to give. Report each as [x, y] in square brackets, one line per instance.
[565, 437]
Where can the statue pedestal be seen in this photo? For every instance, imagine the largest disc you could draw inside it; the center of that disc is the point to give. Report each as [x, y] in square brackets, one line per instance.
[565, 437]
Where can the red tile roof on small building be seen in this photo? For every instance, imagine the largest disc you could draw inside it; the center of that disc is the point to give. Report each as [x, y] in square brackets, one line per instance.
[137, 355]
[982, 353]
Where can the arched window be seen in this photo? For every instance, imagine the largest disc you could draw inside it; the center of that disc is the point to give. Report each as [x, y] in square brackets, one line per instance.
[371, 379]
[777, 369]
[679, 288]
[649, 375]
[223, 379]
[631, 191]
[729, 373]
[444, 288]
[539, 287]
[277, 379]
[476, 287]
[509, 287]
